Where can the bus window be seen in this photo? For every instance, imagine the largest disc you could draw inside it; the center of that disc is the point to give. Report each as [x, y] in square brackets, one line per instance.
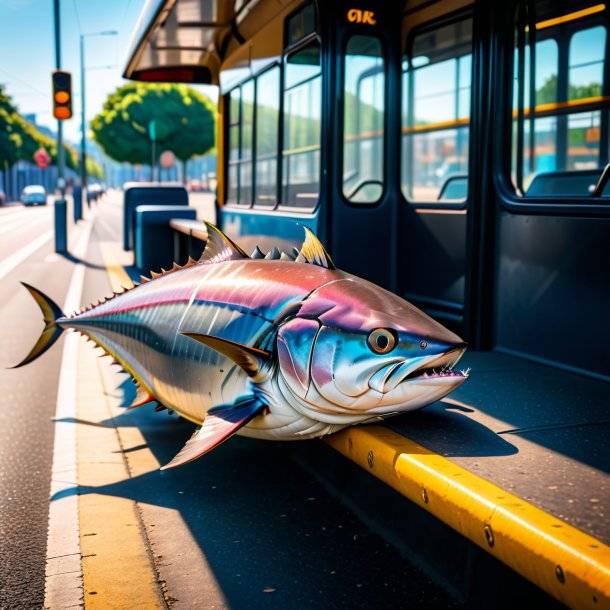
[247, 126]
[300, 24]
[267, 130]
[436, 114]
[585, 77]
[363, 120]
[241, 124]
[234, 116]
[558, 146]
[302, 127]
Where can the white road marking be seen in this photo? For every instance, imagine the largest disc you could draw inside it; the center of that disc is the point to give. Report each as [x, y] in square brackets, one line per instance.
[21, 222]
[15, 259]
[64, 578]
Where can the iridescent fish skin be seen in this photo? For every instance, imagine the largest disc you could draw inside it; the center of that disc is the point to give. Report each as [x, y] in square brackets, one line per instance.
[314, 349]
[344, 381]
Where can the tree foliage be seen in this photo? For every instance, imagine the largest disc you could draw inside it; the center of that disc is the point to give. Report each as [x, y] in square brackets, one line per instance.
[547, 92]
[94, 169]
[19, 139]
[184, 122]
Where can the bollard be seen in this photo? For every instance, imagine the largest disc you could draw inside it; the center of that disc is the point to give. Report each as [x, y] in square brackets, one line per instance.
[61, 233]
[77, 195]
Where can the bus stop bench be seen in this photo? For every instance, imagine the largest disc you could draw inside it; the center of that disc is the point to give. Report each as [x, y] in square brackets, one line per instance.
[154, 247]
[147, 194]
[190, 237]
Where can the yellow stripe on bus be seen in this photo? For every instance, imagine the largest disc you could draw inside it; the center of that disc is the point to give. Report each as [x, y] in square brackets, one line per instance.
[577, 105]
[549, 23]
[435, 126]
[568, 564]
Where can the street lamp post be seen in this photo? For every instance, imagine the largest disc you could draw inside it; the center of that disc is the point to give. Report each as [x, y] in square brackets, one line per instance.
[83, 143]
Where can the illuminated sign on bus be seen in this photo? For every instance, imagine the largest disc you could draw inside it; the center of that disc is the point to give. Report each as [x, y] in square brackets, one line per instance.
[355, 15]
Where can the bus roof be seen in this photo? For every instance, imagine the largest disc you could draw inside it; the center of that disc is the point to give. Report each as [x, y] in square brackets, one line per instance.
[178, 40]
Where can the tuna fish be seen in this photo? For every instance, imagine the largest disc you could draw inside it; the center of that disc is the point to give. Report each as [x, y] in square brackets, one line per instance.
[282, 347]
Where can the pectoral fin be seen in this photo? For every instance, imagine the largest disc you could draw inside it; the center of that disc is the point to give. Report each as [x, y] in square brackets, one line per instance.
[248, 358]
[220, 423]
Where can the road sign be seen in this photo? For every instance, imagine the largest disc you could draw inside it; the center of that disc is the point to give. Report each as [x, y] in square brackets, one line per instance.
[42, 158]
[167, 159]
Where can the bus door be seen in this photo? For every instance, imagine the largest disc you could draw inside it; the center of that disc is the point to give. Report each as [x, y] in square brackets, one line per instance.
[434, 162]
[363, 53]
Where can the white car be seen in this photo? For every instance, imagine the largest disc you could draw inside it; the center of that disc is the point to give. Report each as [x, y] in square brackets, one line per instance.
[34, 195]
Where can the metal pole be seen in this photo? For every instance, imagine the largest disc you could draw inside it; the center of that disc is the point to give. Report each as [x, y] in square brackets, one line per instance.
[60, 204]
[83, 142]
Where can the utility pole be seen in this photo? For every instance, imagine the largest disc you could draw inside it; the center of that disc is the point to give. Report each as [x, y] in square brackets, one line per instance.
[61, 241]
[83, 141]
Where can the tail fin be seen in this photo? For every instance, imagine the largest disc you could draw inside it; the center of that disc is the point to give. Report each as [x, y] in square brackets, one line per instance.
[50, 312]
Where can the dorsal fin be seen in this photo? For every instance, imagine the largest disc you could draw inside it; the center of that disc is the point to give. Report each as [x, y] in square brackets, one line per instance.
[314, 252]
[220, 247]
[273, 254]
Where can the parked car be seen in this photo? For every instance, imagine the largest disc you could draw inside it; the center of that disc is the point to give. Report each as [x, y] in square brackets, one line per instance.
[2, 197]
[34, 195]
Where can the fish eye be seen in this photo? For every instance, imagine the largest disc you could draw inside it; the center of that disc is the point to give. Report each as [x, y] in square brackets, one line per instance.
[381, 341]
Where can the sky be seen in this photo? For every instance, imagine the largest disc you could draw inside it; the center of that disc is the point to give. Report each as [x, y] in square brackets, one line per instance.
[27, 53]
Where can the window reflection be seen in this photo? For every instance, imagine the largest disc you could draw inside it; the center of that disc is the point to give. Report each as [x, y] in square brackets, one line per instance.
[267, 131]
[587, 63]
[561, 131]
[234, 129]
[436, 88]
[302, 128]
[247, 127]
[363, 120]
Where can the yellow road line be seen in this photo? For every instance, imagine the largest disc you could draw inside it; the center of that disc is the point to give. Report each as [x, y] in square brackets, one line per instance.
[118, 570]
[117, 275]
[567, 563]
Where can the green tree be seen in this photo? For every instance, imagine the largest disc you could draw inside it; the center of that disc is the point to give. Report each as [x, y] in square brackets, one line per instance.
[94, 169]
[19, 139]
[10, 140]
[547, 93]
[184, 120]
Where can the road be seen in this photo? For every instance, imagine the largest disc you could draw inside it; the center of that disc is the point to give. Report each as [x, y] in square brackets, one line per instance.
[27, 402]
[244, 527]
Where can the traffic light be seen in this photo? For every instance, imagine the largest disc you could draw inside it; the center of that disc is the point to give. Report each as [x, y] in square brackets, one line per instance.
[62, 95]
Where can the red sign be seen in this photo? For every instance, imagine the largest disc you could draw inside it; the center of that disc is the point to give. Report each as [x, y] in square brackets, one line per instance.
[42, 158]
[167, 159]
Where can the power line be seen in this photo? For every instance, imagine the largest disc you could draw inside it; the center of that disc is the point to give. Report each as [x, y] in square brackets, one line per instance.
[26, 84]
[80, 29]
[127, 5]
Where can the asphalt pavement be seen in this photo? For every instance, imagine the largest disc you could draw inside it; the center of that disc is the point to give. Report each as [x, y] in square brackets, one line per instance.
[27, 402]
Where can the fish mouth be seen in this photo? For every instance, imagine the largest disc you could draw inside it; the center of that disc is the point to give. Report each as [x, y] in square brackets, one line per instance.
[439, 368]
[431, 369]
